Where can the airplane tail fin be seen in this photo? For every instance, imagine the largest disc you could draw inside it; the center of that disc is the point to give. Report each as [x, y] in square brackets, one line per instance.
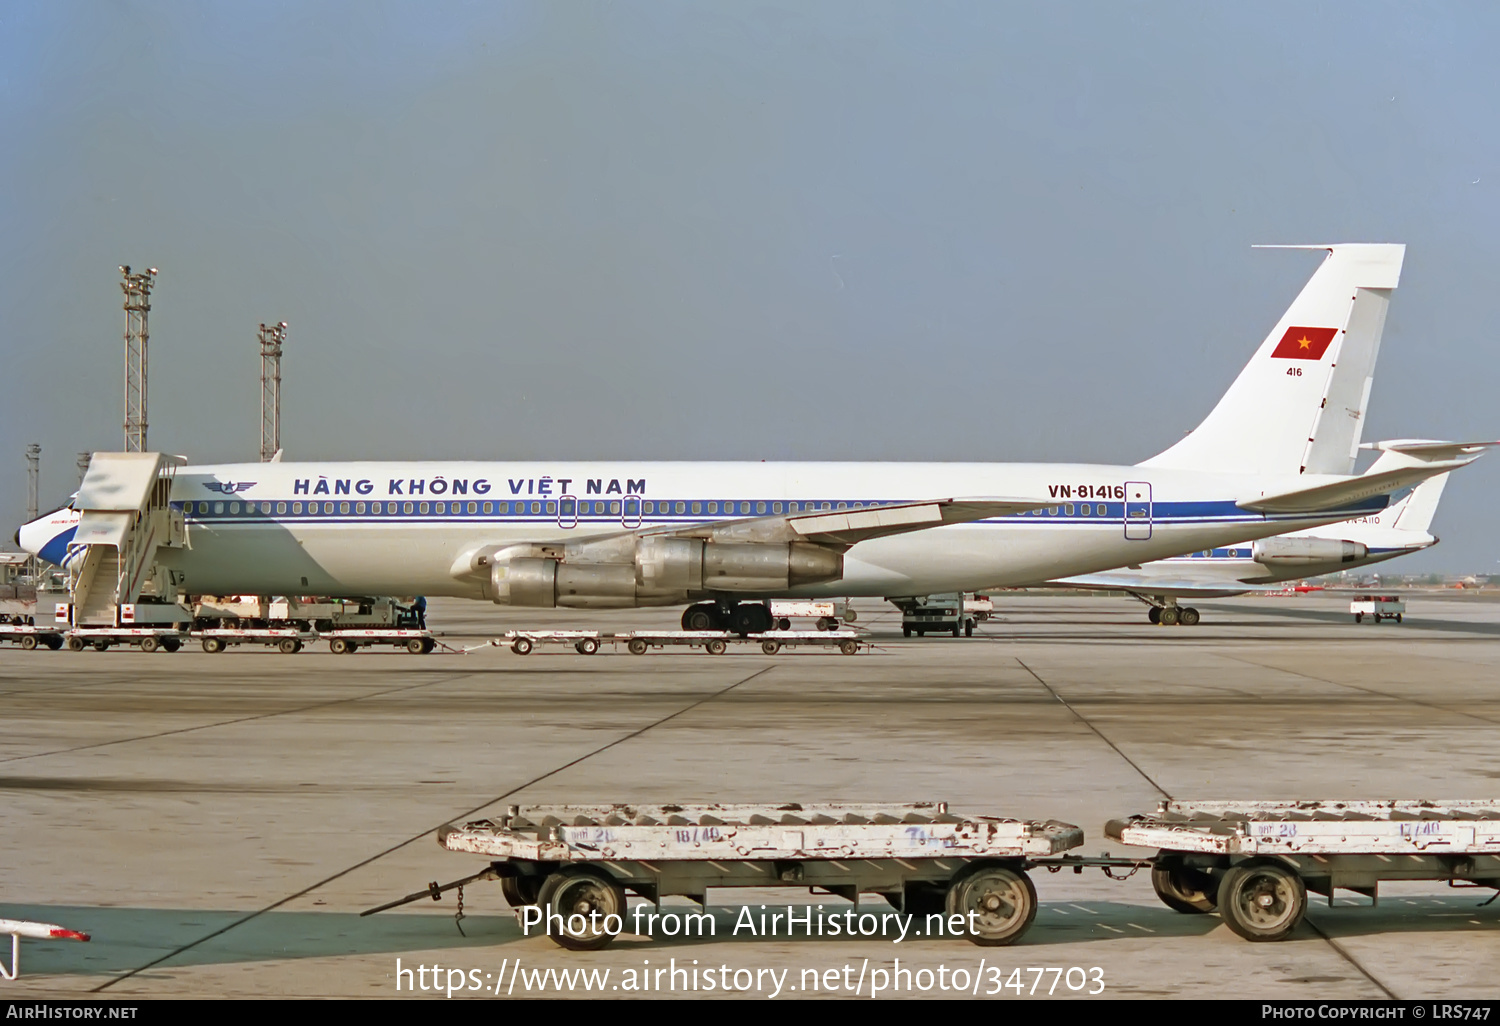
[1298, 406]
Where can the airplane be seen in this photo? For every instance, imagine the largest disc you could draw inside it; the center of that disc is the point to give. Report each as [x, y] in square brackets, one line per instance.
[1397, 530]
[1276, 454]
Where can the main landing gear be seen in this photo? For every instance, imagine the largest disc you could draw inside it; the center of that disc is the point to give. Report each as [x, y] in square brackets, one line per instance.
[742, 618]
[1171, 615]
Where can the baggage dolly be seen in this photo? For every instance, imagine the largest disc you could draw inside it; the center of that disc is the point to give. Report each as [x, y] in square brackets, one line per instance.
[1255, 861]
[416, 640]
[580, 860]
[713, 642]
[284, 639]
[29, 636]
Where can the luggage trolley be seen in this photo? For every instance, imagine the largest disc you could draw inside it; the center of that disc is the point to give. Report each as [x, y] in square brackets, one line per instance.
[924, 860]
[1255, 861]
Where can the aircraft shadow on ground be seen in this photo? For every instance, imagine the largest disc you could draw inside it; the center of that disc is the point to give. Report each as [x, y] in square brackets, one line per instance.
[1409, 623]
[130, 938]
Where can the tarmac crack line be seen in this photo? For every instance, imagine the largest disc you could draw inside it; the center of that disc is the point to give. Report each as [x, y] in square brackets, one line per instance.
[1336, 946]
[1099, 733]
[240, 719]
[1368, 691]
[427, 832]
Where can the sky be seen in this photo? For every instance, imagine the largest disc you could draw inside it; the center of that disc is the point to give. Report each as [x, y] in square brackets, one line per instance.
[734, 230]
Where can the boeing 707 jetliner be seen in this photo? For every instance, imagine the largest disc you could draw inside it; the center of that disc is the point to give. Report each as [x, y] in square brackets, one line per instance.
[1275, 455]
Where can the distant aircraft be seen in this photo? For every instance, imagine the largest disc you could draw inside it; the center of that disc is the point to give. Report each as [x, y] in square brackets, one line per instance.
[1234, 570]
[1275, 455]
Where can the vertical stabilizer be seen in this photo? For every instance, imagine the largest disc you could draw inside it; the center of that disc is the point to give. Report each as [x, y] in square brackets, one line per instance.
[1299, 404]
[1421, 505]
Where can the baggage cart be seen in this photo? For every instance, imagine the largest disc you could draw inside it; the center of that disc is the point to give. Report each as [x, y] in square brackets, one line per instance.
[1377, 607]
[713, 642]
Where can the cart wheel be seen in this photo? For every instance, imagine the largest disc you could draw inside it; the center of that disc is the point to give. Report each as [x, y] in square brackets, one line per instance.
[1188, 617]
[520, 891]
[1003, 899]
[415, 646]
[28, 641]
[784, 624]
[521, 646]
[1262, 901]
[1398, 617]
[1181, 889]
[715, 647]
[76, 644]
[587, 646]
[585, 899]
[149, 644]
[849, 647]
[824, 624]
[291, 646]
[54, 642]
[1359, 617]
[1168, 616]
[770, 647]
[637, 646]
[170, 644]
[429, 645]
[906, 632]
[101, 646]
[213, 644]
[338, 646]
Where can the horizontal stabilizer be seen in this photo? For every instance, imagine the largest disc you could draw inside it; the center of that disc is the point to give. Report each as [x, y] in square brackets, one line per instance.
[1340, 494]
[1428, 449]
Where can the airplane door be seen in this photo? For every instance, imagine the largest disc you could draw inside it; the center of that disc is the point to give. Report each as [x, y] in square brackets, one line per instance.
[630, 512]
[567, 511]
[1137, 510]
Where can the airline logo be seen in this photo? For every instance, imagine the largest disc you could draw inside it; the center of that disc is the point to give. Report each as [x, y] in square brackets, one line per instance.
[1304, 344]
[228, 487]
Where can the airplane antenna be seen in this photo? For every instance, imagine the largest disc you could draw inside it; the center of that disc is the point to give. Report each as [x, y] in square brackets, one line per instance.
[137, 289]
[272, 337]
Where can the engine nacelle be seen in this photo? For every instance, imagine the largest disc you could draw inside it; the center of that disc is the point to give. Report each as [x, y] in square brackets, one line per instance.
[1306, 551]
[660, 571]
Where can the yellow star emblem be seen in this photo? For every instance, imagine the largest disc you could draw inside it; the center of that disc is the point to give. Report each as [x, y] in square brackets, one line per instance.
[1304, 342]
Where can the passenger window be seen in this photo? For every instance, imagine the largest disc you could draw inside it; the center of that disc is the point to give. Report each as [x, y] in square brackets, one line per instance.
[1052, 511]
[406, 507]
[842, 506]
[681, 507]
[760, 507]
[489, 507]
[614, 507]
[713, 507]
[343, 507]
[775, 507]
[218, 507]
[791, 507]
[422, 507]
[359, 507]
[827, 505]
[551, 508]
[234, 507]
[1067, 509]
[697, 507]
[281, 507]
[296, 507]
[650, 507]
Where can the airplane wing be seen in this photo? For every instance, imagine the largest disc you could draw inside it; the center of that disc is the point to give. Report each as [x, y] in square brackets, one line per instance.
[847, 527]
[1177, 586]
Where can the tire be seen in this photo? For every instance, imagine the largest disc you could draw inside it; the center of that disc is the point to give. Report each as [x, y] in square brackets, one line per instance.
[1359, 617]
[715, 647]
[521, 646]
[1154, 614]
[339, 646]
[1181, 889]
[28, 642]
[783, 624]
[170, 644]
[700, 618]
[849, 647]
[414, 645]
[637, 646]
[956, 630]
[588, 646]
[213, 644]
[969, 629]
[580, 892]
[76, 644]
[54, 642]
[1262, 901]
[149, 644]
[770, 647]
[1188, 617]
[429, 645]
[1169, 616]
[520, 891]
[906, 632]
[101, 646]
[1398, 617]
[1004, 900]
[290, 646]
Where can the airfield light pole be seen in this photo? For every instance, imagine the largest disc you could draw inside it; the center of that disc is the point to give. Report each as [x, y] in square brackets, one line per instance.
[272, 337]
[137, 289]
[33, 507]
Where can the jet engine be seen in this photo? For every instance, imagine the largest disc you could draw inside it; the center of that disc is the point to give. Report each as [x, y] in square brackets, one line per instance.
[629, 571]
[1306, 551]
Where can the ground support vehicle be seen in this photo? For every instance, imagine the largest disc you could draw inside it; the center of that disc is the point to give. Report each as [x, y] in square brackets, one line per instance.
[417, 641]
[285, 639]
[580, 860]
[826, 613]
[713, 642]
[1255, 861]
[936, 614]
[161, 638]
[29, 636]
[1377, 607]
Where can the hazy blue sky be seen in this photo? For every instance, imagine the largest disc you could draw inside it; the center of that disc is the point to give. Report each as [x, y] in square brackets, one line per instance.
[660, 229]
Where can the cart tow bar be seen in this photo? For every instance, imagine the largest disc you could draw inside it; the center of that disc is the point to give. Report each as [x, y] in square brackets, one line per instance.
[435, 891]
[1105, 862]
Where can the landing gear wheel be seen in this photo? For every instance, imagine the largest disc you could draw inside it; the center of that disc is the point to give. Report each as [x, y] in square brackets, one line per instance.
[101, 646]
[1188, 617]
[585, 900]
[1181, 889]
[702, 617]
[170, 644]
[783, 624]
[78, 644]
[520, 891]
[587, 646]
[1154, 614]
[637, 646]
[54, 642]
[770, 647]
[969, 629]
[825, 624]
[1003, 900]
[715, 647]
[290, 646]
[1169, 616]
[213, 644]
[28, 642]
[848, 647]
[521, 646]
[957, 630]
[906, 632]
[149, 644]
[749, 618]
[1262, 901]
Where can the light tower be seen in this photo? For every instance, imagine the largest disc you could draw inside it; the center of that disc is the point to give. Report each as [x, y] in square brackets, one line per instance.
[137, 289]
[272, 336]
[33, 478]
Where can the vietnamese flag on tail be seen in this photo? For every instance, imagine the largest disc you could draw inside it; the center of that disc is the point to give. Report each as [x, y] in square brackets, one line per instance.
[1304, 344]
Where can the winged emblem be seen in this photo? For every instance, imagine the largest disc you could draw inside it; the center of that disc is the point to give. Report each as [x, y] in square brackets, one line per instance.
[228, 487]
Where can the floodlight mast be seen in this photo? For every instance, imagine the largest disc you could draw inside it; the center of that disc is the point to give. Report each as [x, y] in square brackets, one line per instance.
[33, 506]
[272, 337]
[137, 289]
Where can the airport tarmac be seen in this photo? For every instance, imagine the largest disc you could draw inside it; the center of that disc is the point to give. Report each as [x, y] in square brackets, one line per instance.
[217, 822]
